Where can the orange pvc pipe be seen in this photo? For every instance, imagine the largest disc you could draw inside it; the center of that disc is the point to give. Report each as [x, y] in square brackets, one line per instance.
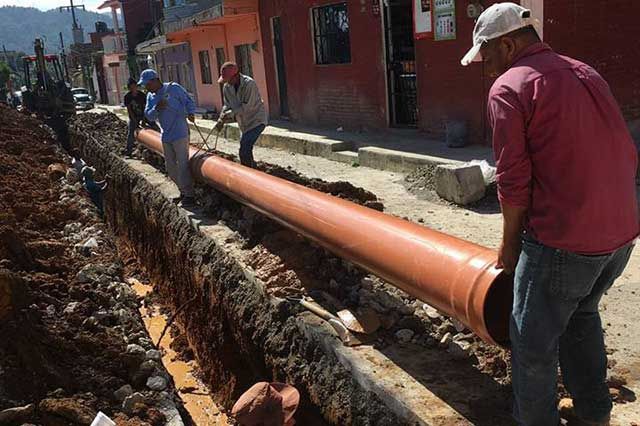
[455, 276]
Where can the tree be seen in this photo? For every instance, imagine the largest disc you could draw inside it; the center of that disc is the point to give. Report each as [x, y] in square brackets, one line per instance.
[5, 73]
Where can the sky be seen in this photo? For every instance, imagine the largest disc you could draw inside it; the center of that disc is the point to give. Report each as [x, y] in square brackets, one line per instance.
[51, 4]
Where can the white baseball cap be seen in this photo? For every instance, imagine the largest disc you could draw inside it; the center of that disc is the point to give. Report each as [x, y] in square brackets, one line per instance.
[496, 21]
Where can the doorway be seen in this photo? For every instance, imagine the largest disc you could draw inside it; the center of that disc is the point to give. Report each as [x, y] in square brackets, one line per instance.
[401, 63]
[280, 66]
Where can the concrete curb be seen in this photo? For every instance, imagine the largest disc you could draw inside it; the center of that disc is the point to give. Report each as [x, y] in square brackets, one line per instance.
[317, 146]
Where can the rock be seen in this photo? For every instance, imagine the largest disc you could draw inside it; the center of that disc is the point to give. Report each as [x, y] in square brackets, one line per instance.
[157, 383]
[130, 402]
[154, 355]
[87, 247]
[56, 171]
[459, 350]
[90, 323]
[367, 283]
[170, 411]
[88, 273]
[406, 309]
[71, 308]
[136, 350]
[148, 366]
[411, 322]
[72, 228]
[462, 337]
[123, 393]
[50, 311]
[66, 411]
[145, 343]
[458, 325]
[446, 339]
[461, 184]
[17, 415]
[616, 381]
[404, 335]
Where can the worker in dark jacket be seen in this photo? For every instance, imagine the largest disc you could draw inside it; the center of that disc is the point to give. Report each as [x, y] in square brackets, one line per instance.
[566, 182]
[135, 101]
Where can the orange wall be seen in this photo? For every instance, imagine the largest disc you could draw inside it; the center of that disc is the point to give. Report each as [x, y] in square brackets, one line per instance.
[241, 30]
[247, 31]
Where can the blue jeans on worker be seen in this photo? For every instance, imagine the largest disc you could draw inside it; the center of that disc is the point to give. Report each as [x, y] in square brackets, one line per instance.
[247, 141]
[555, 318]
[131, 136]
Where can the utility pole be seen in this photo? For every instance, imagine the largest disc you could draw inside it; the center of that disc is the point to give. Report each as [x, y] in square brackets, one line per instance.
[64, 58]
[78, 34]
[72, 8]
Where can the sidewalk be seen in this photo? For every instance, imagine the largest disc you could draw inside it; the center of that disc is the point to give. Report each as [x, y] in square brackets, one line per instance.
[396, 150]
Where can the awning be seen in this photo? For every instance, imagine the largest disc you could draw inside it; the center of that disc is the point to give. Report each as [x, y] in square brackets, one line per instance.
[154, 45]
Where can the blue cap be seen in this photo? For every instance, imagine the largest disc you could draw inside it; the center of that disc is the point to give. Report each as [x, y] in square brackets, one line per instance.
[146, 76]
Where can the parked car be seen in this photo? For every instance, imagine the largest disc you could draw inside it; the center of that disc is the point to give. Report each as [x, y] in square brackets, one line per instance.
[83, 99]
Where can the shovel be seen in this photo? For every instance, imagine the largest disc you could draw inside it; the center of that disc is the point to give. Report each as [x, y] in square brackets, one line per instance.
[343, 333]
[363, 321]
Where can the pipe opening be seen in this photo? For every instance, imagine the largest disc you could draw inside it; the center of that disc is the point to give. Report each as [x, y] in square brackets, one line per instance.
[497, 308]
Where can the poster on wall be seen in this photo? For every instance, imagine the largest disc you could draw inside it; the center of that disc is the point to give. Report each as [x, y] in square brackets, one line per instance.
[422, 23]
[445, 19]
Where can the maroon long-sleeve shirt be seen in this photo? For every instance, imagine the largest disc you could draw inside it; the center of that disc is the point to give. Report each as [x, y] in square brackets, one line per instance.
[563, 151]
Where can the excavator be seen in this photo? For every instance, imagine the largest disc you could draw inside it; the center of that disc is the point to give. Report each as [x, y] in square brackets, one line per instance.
[47, 93]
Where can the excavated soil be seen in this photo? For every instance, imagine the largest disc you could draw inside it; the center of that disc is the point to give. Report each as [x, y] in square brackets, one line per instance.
[68, 323]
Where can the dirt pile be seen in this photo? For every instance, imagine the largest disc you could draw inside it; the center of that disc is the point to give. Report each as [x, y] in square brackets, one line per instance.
[71, 340]
[106, 127]
[421, 182]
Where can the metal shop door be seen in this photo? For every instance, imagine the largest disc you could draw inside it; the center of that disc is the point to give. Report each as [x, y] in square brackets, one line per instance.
[401, 63]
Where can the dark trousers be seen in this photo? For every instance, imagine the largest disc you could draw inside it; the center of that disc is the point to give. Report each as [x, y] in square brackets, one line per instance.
[247, 141]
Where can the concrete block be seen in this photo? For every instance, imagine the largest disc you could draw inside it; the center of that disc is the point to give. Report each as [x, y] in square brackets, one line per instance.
[347, 157]
[460, 184]
[299, 143]
[397, 161]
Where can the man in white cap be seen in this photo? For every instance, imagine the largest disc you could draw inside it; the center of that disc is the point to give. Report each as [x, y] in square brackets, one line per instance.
[171, 105]
[565, 172]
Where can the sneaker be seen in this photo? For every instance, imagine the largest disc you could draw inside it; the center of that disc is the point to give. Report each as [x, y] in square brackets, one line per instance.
[568, 413]
[188, 202]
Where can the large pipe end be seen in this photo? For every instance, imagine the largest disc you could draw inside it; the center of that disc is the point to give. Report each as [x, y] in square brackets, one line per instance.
[497, 309]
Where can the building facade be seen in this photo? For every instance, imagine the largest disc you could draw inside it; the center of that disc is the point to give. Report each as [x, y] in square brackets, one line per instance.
[365, 65]
[220, 31]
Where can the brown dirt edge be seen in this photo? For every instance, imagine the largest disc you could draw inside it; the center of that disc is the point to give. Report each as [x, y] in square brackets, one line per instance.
[238, 334]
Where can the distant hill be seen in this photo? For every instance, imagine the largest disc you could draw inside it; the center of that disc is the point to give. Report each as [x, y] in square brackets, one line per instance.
[19, 26]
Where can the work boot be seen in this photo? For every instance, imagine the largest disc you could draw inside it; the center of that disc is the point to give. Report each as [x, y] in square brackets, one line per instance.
[567, 412]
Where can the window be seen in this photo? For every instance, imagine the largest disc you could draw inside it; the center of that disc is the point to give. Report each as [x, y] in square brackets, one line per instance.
[205, 67]
[331, 34]
[243, 59]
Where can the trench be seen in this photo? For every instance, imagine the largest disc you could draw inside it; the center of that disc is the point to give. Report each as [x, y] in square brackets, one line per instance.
[238, 266]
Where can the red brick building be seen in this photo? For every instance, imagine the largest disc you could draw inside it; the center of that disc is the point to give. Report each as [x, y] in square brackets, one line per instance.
[357, 64]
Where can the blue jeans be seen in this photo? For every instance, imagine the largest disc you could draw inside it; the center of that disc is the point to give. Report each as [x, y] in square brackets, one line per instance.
[247, 141]
[555, 318]
[131, 137]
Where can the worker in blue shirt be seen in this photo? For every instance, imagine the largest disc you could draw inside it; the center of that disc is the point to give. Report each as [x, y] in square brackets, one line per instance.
[171, 106]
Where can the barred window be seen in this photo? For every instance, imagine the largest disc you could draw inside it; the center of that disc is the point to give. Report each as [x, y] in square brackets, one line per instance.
[243, 59]
[331, 34]
[205, 67]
